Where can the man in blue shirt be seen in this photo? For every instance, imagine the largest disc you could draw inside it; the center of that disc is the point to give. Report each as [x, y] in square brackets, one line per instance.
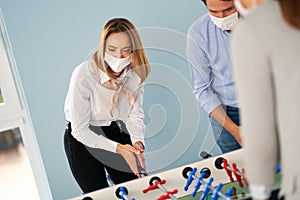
[212, 77]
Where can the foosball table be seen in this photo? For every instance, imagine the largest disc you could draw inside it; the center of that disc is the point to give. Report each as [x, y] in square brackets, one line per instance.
[216, 178]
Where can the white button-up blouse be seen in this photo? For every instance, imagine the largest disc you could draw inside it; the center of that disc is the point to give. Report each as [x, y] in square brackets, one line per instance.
[88, 103]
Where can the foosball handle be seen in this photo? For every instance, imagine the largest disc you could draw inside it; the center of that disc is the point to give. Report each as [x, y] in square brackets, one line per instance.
[205, 155]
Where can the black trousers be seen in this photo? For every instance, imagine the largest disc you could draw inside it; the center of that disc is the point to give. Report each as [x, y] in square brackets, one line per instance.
[88, 164]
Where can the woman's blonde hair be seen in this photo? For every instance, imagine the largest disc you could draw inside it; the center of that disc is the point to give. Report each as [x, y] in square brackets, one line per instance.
[139, 64]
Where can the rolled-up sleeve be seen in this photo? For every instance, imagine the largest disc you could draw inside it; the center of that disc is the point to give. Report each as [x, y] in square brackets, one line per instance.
[80, 114]
[202, 76]
[135, 122]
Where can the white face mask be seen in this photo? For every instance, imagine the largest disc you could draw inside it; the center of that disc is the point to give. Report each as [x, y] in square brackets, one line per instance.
[227, 23]
[242, 10]
[117, 64]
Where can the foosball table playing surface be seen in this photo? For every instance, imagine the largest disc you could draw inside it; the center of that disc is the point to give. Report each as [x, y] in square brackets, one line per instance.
[217, 178]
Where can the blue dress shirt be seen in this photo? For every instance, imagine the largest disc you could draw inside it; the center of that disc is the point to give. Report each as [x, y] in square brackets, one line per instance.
[208, 54]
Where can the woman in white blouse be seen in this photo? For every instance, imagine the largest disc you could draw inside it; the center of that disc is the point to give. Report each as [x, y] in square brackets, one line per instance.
[103, 108]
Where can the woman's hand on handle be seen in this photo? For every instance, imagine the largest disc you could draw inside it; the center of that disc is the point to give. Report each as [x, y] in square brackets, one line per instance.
[141, 159]
[128, 152]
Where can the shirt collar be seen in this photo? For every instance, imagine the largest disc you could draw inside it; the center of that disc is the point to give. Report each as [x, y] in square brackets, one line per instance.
[104, 77]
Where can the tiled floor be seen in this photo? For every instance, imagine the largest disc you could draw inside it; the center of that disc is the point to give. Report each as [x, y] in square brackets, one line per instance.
[16, 178]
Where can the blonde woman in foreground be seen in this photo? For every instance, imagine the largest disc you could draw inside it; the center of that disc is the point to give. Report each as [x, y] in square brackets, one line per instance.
[103, 108]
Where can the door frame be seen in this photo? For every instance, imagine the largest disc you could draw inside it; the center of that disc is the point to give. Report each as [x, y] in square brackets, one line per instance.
[17, 114]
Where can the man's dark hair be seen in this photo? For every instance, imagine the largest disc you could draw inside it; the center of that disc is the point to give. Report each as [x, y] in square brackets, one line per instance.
[204, 1]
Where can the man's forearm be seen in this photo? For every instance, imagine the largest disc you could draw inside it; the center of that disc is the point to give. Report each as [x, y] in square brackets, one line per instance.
[220, 116]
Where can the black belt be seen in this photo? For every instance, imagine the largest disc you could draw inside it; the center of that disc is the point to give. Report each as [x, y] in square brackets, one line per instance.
[230, 107]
